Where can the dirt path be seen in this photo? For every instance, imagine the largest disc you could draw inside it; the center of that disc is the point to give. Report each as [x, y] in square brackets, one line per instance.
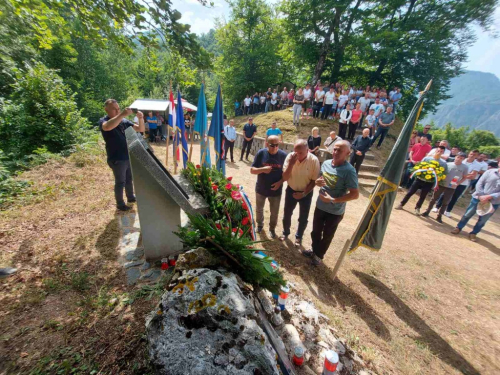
[426, 303]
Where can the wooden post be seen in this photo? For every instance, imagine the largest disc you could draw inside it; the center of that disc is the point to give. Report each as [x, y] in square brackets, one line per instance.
[175, 150]
[167, 145]
[191, 147]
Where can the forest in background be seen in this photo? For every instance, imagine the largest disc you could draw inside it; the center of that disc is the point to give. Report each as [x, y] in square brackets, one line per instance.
[60, 61]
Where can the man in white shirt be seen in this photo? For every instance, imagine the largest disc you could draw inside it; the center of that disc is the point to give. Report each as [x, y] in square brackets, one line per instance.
[300, 171]
[329, 99]
[307, 99]
[331, 140]
[247, 102]
[481, 160]
[230, 135]
[377, 107]
[365, 103]
[342, 101]
[446, 152]
[369, 121]
[474, 168]
[319, 96]
[284, 98]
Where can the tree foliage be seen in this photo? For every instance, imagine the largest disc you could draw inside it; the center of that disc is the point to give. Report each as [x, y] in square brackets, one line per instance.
[249, 44]
[386, 43]
[42, 113]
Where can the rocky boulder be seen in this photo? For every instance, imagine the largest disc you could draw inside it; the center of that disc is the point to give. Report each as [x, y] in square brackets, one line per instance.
[206, 324]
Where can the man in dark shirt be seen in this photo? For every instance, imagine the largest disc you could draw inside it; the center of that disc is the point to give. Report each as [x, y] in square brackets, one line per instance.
[249, 131]
[360, 146]
[268, 165]
[269, 95]
[113, 128]
[426, 133]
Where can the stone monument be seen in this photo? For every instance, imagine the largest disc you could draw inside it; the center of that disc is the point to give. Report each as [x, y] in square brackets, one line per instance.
[161, 199]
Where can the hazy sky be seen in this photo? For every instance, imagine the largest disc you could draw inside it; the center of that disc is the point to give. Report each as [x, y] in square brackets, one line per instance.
[482, 55]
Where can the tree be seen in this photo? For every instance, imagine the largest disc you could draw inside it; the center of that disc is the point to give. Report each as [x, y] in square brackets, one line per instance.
[249, 43]
[481, 138]
[124, 22]
[401, 43]
[41, 114]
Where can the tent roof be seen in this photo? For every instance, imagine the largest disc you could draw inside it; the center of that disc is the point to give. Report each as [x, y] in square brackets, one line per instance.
[160, 105]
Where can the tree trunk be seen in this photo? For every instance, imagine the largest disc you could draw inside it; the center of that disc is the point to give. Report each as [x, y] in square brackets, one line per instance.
[377, 75]
[320, 65]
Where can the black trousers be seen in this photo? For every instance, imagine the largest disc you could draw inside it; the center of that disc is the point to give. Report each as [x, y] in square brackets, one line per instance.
[425, 188]
[247, 145]
[324, 227]
[352, 130]
[317, 109]
[228, 145]
[356, 160]
[152, 134]
[123, 179]
[326, 111]
[304, 208]
[342, 130]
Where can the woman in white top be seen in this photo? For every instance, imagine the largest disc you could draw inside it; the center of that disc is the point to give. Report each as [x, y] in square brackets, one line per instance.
[274, 100]
[328, 103]
[345, 117]
[319, 97]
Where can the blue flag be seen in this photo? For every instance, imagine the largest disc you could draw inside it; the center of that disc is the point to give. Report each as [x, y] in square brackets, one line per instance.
[216, 131]
[200, 126]
[181, 135]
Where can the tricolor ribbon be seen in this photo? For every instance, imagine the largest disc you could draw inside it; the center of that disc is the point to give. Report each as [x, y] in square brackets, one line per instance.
[249, 212]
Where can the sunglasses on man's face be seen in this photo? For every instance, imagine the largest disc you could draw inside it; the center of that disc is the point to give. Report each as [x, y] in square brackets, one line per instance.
[273, 145]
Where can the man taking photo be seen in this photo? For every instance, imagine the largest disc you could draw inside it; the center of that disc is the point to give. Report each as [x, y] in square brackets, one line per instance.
[113, 127]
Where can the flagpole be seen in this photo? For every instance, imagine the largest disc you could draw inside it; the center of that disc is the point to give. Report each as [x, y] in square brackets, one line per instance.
[191, 147]
[168, 134]
[348, 242]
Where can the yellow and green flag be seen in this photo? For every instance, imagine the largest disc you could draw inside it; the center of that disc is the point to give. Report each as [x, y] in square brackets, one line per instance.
[372, 226]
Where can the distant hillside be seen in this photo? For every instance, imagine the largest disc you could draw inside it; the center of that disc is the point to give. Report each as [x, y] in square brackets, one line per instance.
[475, 102]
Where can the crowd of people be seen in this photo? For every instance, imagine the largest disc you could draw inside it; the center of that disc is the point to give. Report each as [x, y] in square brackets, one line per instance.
[155, 126]
[336, 178]
[354, 107]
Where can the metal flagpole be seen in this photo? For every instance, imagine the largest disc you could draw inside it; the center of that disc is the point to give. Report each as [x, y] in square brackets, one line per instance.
[168, 134]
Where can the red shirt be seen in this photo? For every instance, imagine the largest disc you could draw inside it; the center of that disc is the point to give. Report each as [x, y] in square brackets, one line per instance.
[356, 114]
[420, 151]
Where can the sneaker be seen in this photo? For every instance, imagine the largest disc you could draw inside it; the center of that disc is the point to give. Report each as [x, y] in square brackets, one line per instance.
[6, 272]
[259, 229]
[316, 261]
[307, 253]
[378, 147]
[283, 237]
[400, 207]
[132, 200]
[455, 231]
[472, 237]
[447, 214]
[123, 207]
[425, 214]
[435, 209]
[298, 242]
[439, 220]
[417, 211]
[272, 234]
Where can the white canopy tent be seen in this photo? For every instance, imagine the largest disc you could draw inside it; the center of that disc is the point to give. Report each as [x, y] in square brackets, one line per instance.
[161, 105]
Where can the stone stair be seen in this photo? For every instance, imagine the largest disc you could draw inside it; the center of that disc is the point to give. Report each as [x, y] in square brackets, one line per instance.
[368, 173]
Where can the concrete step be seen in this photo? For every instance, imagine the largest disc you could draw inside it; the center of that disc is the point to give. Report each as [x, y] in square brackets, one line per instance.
[368, 175]
[370, 168]
[369, 156]
[368, 184]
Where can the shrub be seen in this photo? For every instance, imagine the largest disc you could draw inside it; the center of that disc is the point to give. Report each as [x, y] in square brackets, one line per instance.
[41, 114]
[493, 151]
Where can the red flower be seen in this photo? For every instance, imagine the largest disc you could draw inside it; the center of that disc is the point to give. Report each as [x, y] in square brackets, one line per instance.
[244, 206]
[229, 186]
[198, 166]
[245, 221]
[229, 178]
[237, 187]
[215, 188]
[218, 226]
[240, 232]
[236, 195]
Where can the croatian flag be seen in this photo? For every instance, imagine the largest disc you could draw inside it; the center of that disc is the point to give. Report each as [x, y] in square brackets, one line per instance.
[172, 121]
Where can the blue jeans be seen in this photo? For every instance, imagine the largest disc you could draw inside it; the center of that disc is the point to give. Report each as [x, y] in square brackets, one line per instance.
[471, 211]
[268, 104]
[382, 132]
